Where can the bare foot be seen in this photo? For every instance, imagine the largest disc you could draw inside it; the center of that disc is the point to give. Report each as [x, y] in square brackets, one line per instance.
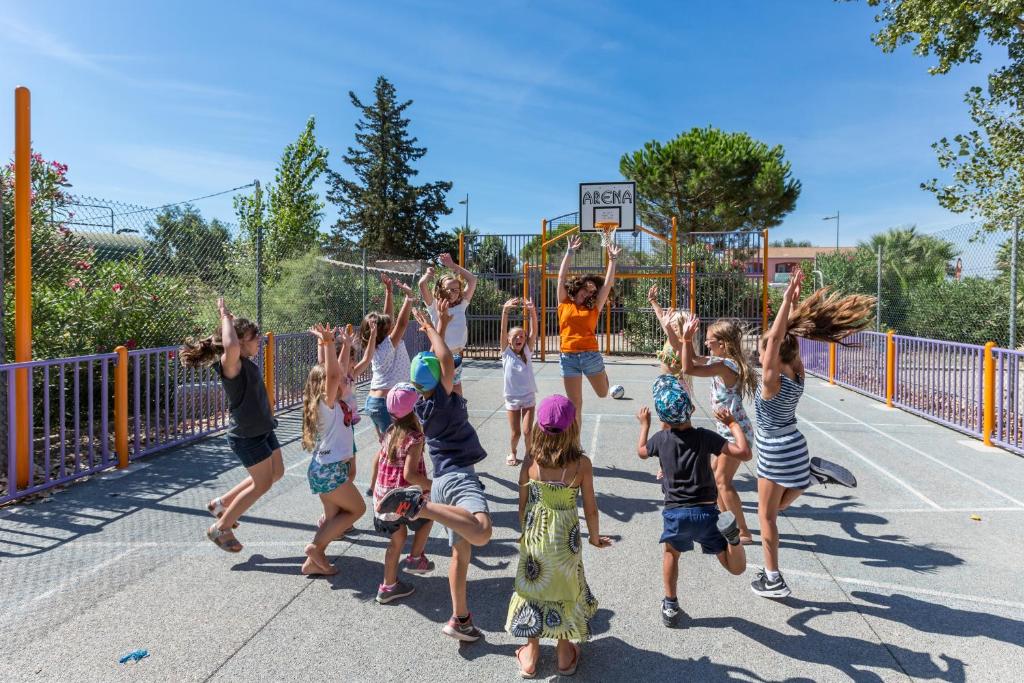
[317, 563]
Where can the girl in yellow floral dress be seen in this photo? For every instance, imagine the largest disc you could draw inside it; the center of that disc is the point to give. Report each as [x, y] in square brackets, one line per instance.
[551, 597]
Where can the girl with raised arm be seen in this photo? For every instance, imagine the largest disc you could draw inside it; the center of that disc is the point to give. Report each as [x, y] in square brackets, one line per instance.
[457, 289]
[517, 346]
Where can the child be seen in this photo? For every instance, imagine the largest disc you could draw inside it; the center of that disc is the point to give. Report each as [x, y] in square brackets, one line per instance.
[401, 465]
[672, 322]
[520, 386]
[784, 467]
[731, 379]
[454, 450]
[458, 291]
[390, 358]
[251, 435]
[551, 597]
[690, 513]
[327, 433]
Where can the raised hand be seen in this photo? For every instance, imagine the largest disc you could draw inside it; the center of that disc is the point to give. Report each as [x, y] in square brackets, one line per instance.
[404, 288]
[724, 415]
[690, 328]
[796, 279]
[446, 260]
[613, 251]
[443, 316]
[652, 294]
[222, 308]
[386, 281]
[373, 330]
[575, 242]
[511, 303]
[530, 305]
[324, 332]
[429, 274]
[423, 319]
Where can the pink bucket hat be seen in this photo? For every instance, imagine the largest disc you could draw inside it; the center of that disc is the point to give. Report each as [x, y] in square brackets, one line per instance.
[401, 399]
[555, 413]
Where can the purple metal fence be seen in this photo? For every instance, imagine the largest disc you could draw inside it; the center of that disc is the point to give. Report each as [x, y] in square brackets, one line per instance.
[941, 381]
[861, 366]
[814, 355]
[1009, 427]
[294, 355]
[71, 413]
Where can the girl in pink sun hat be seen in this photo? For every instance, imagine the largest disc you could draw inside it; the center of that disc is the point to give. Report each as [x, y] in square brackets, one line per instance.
[400, 464]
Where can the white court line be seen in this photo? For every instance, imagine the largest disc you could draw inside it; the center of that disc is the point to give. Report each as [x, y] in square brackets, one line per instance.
[963, 474]
[878, 467]
[897, 588]
[592, 453]
[91, 570]
[813, 512]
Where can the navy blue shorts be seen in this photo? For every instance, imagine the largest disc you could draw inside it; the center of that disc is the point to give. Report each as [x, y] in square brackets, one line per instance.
[252, 450]
[683, 526]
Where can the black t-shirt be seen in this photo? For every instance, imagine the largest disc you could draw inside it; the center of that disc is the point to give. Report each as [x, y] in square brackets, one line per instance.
[248, 402]
[685, 456]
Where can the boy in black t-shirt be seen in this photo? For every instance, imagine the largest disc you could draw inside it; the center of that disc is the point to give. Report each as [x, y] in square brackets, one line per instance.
[690, 512]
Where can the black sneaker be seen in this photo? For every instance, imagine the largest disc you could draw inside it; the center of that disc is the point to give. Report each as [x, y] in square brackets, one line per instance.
[727, 527]
[464, 631]
[827, 472]
[767, 588]
[399, 590]
[670, 613]
[404, 503]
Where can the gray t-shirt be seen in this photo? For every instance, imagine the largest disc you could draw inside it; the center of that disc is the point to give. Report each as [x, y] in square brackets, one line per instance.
[248, 402]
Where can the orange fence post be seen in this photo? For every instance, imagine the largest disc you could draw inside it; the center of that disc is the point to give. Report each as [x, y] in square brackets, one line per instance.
[607, 317]
[121, 407]
[831, 362]
[693, 287]
[268, 369]
[462, 249]
[526, 291]
[890, 367]
[764, 281]
[22, 277]
[675, 263]
[988, 397]
[543, 289]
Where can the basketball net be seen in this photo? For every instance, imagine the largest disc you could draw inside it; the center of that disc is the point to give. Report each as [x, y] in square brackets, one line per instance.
[607, 230]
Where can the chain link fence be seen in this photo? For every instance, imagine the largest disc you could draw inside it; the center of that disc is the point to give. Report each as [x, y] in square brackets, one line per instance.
[955, 284]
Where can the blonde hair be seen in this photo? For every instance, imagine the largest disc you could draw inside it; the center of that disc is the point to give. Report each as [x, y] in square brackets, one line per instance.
[314, 392]
[441, 293]
[825, 316]
[396, 434]
[555, 451]
[508, 340]
[729, 333]
[196, 353]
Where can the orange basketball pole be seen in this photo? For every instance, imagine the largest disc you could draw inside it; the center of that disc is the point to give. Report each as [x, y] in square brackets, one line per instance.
[693, 287]
[526, 290]
[764, 282]
[607, 315]
[462, 249]
[675, 263]
[543, 289]
[22, 277]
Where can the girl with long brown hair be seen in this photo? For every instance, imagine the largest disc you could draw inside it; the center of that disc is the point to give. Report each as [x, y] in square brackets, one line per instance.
[230, 351]
[784, 467]
[457, 288]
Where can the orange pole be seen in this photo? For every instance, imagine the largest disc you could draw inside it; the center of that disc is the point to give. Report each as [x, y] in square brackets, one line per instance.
[675, 262]
[462, 249]
[121, 407]
[526, 289]
[268, 369]
[988, 395]
[607, 316]
[693, 287]
[543, 289]
[22, 277]
[890, 367]
[764, 281]
[831, 362]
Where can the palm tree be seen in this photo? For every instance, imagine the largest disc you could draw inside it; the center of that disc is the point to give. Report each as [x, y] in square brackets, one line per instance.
[910, 257]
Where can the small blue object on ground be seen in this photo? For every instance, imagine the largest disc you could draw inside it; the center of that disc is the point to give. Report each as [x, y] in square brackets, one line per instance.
[134, 656]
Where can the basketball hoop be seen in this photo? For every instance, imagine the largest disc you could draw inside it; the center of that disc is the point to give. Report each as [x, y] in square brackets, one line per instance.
[607, 230]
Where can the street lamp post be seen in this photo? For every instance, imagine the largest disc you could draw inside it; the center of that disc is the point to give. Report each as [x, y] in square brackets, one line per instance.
[466, 202]
[836, 219]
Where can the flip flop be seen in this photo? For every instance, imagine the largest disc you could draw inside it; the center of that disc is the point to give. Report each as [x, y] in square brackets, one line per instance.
[216, 508]
[523, 673]
[575, 662]
[511, 460]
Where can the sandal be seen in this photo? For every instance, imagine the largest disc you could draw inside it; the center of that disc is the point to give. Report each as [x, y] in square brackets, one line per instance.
[216, 508]
[575, 662]
[511, 460]
[224, 539]
[523, 673]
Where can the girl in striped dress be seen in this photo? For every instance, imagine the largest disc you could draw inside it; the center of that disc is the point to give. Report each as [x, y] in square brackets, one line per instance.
[784, 467]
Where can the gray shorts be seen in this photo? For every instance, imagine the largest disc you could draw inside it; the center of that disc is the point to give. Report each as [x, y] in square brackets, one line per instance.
[461, 489]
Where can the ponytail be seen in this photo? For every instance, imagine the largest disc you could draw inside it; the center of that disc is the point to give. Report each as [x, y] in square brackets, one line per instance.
[201, 353]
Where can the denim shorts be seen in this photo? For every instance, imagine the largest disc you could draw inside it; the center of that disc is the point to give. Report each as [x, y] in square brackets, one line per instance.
[324, 478]
[683, 526]
[457, 378]
[377, 409]
[576, 363]
[463, 489]
[252, 450]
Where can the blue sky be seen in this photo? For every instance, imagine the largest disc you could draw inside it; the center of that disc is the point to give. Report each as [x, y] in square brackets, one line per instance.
[152, 103]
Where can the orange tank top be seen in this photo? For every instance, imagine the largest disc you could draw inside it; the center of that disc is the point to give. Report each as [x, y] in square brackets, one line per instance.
[577, 326]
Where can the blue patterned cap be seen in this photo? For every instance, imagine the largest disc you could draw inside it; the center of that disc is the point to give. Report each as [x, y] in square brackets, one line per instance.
[671, 401]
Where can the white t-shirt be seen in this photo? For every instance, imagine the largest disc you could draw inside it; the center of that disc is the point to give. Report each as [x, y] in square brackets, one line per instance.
[456, 336]
[390, 365]
[335, 440]
[519, 380]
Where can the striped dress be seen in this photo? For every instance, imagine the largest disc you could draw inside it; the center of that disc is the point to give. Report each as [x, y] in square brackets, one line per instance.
[782, 455]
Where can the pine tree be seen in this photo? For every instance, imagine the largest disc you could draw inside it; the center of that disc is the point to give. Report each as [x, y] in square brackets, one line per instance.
[381, 210]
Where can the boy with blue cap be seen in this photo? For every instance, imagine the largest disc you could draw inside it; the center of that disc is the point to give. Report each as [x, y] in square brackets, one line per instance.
[690, 513]
[456, 493]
